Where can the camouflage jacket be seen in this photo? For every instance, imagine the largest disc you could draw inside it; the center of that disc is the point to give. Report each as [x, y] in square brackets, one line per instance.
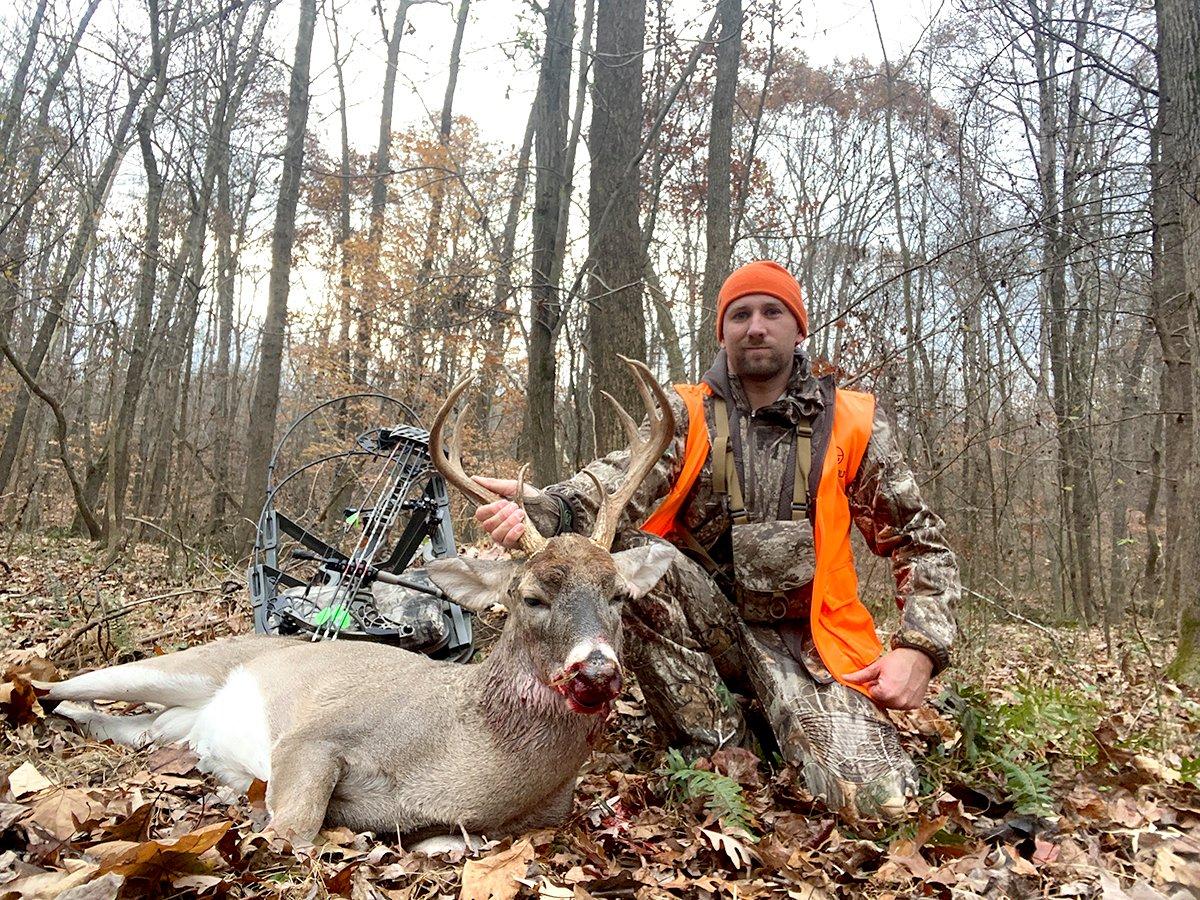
[885, 501]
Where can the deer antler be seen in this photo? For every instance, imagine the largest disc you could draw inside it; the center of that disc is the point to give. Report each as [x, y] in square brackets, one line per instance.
[643, 454]
[452, 470]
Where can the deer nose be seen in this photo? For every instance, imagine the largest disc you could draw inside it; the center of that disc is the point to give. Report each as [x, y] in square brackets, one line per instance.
[599, 671]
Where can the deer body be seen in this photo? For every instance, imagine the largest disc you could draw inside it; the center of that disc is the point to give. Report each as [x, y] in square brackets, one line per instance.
[404, 743]
[382, 739]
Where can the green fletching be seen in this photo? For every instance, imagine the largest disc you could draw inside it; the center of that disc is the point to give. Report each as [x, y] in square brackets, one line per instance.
[339, 615]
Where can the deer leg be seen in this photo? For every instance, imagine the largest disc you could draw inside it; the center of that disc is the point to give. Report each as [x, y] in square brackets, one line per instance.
[549, 812]
[303, 775]
[132, 731]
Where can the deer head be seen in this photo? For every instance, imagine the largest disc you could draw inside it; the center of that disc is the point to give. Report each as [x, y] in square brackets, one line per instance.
[564, 598]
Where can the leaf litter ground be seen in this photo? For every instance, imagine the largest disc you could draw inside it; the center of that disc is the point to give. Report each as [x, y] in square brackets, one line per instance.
[1053, 769]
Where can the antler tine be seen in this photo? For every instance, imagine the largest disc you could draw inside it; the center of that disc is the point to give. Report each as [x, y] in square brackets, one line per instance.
[630, 426]
[451, 468]
[531, 539]
[643, 454]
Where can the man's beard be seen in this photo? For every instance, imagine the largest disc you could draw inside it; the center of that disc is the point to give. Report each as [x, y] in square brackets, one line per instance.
[761, 366]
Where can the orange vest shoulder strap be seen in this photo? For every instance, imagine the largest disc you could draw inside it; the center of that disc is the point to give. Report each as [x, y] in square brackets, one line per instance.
[854, 416]
[662, 520]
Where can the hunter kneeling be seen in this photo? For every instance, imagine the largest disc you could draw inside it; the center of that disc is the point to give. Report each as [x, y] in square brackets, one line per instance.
[768, 466]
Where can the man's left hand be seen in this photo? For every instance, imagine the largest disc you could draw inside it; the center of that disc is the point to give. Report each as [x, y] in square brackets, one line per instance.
[898, 679]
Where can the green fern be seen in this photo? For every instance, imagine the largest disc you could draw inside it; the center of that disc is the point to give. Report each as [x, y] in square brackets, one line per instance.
[722, 795]
[1027, 782]
[1189, 769]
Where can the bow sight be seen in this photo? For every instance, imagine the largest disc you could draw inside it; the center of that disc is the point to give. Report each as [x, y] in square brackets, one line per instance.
[338, 563]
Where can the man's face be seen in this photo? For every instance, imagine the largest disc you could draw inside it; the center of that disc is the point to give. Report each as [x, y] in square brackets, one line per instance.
[759, 335]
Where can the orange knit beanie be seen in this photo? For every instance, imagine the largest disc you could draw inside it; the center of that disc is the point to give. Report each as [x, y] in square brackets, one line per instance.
[763, 277]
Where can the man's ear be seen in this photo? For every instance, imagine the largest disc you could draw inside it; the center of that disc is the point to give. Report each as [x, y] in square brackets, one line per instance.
[474, 584]
[641, 568]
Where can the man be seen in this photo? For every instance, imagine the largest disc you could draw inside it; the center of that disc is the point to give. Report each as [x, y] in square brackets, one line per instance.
[768, 467]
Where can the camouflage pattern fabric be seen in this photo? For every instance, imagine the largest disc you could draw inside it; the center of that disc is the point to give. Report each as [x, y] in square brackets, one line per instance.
[699, 633]
[885, 501]
[688, 648]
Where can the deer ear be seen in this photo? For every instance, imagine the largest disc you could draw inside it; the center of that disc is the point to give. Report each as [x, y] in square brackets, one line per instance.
[473, 584]
[641, 568]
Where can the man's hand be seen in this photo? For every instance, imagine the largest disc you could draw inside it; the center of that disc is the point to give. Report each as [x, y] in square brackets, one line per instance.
[503, 519]
[898, 679]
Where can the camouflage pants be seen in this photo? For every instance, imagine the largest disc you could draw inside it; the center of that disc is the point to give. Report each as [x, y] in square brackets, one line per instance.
[685, 641]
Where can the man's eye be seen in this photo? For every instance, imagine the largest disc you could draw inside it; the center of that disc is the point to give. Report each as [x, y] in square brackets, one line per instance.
[535, 602]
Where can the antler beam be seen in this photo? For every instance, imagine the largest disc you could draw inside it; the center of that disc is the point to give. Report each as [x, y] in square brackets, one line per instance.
[643, 454]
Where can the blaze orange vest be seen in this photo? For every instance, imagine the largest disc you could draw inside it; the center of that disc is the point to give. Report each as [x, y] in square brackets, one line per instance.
[842, 627]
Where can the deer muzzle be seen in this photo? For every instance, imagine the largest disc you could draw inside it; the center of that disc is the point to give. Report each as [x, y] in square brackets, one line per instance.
[590, 680]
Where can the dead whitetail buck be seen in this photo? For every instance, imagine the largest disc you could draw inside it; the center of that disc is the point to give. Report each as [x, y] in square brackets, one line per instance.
[382, 739]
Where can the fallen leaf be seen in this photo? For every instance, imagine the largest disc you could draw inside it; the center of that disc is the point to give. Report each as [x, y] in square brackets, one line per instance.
[36, 668]
[48, 885]
[494, 877]
[1170, 868]
[155, 860]
[738, 852]
[198, 883]
[739, 764]
[106, 887]
[26, 779]
[338, 884]
[18, 702]
[630, 709]
[10, 812]
[172, 760]
[60, 812]
[135, 826]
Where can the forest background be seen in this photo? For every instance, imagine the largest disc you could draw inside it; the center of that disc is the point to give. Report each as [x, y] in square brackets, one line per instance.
[995, 225]
[214, 215]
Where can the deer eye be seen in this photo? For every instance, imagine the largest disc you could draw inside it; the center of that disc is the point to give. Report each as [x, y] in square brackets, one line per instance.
[535, 602]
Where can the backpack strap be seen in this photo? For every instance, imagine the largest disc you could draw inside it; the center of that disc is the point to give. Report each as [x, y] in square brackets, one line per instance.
[725, 474]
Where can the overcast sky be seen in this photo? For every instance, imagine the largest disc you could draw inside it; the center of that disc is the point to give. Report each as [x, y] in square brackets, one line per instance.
[496, 90]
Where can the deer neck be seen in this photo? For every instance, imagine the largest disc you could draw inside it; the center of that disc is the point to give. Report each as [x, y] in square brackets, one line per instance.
[522, 712]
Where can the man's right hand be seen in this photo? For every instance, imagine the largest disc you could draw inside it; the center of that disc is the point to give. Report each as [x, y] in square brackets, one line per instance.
[503, 519]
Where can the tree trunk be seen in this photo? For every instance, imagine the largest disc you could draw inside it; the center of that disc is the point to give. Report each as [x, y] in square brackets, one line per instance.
[550, 144]
[260, 435]
[616, 319]
[380, 173]
[147, 280]
[20, 85]
[1170, 292]
[434, 226]
[1179, 134]
[718, 172]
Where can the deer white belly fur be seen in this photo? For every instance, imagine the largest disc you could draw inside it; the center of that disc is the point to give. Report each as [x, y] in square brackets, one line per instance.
[226, 728]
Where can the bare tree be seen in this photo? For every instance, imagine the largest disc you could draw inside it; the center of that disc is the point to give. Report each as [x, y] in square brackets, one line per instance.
[265, 403]
[616, 321]
[550, 146]
[718, 207]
